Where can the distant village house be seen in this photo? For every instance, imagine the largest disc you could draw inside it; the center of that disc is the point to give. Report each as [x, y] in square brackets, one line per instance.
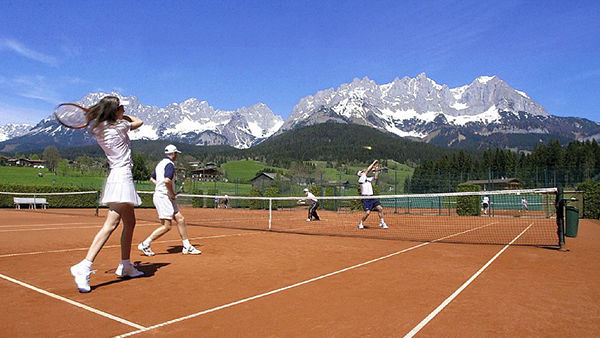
[498, 184]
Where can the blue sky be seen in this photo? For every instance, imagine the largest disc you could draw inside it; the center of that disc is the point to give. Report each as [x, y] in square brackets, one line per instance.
[238, 53]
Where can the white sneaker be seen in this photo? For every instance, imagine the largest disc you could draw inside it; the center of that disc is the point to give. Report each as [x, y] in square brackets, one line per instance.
[145, 249]
[308, 219]
[190, 250]
[361, 226]
[82, 278]
[128, 270]
[383, 225]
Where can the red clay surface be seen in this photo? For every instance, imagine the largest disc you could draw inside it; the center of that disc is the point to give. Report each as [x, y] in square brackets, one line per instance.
[526, 291]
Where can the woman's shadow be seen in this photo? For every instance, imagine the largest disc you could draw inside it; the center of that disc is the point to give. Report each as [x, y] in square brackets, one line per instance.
[149, 269]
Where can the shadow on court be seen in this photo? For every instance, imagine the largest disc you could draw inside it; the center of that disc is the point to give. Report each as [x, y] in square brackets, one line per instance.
[149, 269]
[176, 249]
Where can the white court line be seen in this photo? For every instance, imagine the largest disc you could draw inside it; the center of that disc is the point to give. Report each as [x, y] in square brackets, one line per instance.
[53, 224]
[295, 285]
[72, 302]
[112, 246]
[435, 312]
[65, 228]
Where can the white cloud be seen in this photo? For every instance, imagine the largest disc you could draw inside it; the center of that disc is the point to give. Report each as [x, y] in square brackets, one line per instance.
[19, 48]
[16, 114]
[36, 87]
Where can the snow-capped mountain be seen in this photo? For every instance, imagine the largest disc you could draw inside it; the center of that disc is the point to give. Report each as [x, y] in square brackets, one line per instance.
[191, 121]
[13, 130]
[486, 112]
[420, 108]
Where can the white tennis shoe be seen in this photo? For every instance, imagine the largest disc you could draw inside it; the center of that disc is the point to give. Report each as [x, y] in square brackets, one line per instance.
[361, 226]
[82, 278]
[145, 249]
[383, 225]
[128, 270]
[308, 219]
[190, 250]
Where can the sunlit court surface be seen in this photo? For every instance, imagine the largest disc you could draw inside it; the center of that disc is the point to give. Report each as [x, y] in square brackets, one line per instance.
[324, 278]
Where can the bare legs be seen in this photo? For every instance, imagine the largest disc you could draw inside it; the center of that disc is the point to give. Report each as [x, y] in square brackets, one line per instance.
[116, 212]
[166, 227]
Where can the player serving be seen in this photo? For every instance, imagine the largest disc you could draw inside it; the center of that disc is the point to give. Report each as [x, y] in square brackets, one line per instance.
[164, 200]
[366, 189]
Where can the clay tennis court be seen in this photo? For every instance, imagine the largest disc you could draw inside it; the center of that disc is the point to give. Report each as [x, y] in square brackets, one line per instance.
[317, 279]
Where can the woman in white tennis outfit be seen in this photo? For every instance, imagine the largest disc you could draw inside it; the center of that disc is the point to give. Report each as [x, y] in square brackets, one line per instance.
[110, 127]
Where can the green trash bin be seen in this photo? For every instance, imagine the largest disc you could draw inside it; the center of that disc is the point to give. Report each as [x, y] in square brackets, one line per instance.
[572, 221]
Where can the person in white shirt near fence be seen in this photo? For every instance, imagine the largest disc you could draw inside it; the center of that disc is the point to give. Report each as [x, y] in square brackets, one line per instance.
[164, 199]
[314, 205]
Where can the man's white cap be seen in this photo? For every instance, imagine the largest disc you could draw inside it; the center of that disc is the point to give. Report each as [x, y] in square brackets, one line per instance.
[170, 149]
[305, 189]
[359, 173]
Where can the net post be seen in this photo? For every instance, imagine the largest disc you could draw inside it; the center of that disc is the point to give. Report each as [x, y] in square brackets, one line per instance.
[97, 202]
[34, 202]
[270, 212]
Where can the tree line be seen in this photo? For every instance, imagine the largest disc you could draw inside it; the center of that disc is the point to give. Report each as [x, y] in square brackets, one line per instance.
[547, 165]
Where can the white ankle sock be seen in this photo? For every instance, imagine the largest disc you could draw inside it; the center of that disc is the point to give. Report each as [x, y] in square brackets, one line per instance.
[147, 242]
[186, 243]
[86, 264]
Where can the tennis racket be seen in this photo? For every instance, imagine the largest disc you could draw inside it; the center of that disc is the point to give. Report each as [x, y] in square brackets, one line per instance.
[180, 190]
[71, 115]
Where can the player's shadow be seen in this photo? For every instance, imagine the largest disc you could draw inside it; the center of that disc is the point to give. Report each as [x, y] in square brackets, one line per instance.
[176, 249]
[149, 269]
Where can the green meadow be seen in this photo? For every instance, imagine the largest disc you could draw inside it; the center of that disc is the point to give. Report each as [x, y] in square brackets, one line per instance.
[236, 178]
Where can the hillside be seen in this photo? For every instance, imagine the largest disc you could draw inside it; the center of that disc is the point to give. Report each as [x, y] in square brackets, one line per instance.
[331, 142]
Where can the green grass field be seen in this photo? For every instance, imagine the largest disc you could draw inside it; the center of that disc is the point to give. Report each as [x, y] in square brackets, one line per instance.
[237, 174]
[244, 170]
[30, 176]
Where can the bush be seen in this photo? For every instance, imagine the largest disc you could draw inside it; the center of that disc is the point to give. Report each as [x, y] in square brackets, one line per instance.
[198, 202]
[591, 199]
[468, 205]
[54, 201]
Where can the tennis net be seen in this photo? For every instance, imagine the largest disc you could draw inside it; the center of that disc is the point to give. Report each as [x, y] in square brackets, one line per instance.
[448, 217]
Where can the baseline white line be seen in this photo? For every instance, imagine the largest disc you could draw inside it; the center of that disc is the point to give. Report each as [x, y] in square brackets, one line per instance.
[110, 246]
[296, 284]
[72, 302]
[447, 301]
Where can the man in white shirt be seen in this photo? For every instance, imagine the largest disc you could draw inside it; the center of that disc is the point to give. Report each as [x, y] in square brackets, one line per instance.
[166, 206]
[366, 189]
[485, 205]
[524, 204]
[314, 205]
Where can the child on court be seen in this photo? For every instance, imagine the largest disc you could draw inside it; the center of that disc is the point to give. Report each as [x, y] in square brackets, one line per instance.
[110, 127]
[366, 189]
[314, 205]
[164, 200]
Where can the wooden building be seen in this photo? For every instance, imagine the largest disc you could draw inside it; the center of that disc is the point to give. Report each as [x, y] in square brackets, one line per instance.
[498, 184]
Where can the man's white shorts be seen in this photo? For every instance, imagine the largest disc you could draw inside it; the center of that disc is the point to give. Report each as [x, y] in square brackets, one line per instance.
[165, 207]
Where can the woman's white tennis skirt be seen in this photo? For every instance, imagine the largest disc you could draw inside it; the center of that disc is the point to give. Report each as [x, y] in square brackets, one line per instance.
[165, 207]
[119, 188]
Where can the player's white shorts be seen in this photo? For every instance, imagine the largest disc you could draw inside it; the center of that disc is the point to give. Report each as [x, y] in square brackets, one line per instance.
[165, 207]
